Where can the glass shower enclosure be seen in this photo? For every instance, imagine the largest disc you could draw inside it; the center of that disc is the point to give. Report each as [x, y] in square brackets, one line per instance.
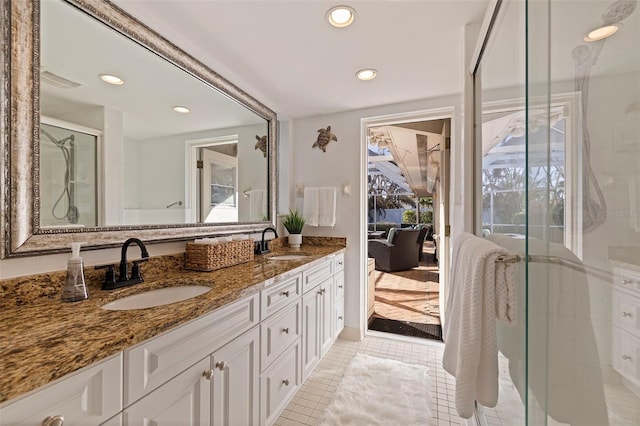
[68, 175]
[558, 140]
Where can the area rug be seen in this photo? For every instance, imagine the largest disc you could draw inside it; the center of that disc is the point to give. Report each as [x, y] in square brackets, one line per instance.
[407, 328]
[376, 391]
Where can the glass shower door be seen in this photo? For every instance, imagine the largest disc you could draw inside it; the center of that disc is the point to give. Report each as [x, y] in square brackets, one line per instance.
[583, 175]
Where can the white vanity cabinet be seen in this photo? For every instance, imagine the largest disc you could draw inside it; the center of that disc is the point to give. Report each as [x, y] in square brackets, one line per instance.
[280, 356]
[155, 361]
[220, 389]
[626, 324]
[234, 374]
[317, 314]
[183, 400]
[88, 397]
[238, 365]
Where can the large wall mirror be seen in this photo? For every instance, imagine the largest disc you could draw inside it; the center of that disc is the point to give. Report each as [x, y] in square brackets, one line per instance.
[110, 131]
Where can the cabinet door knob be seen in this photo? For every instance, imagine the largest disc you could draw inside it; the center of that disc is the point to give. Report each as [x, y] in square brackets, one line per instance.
[340, 317]
[626, 314]
[221, 365]
[208, 374]
[285, 293]
[340, 286]
[340, 263]
[53, 421]
[285, 330]
[285, 382]
[626, 357]
[626, 282]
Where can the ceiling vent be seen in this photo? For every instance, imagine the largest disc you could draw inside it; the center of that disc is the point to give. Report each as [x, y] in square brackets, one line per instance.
[55, 80]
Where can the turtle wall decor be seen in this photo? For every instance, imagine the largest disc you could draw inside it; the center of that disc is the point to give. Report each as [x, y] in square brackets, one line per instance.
[262, 144]
[324, 137]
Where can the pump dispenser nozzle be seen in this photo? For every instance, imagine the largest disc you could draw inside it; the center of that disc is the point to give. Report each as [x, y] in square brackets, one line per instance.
[75, 288]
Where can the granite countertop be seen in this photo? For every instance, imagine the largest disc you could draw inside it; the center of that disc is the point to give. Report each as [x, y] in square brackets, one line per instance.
[43, 339]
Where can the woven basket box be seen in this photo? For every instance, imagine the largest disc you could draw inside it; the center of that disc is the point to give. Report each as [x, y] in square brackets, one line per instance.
[205, 257]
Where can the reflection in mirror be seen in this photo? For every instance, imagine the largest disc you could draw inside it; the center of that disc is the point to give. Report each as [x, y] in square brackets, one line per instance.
[112, 161]
[154, 123]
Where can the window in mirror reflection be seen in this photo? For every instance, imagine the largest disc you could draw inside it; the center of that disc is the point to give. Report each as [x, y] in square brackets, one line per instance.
[218, 177]
[68, 175]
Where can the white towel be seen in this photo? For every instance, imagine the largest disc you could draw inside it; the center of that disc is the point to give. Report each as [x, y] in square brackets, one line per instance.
[257, 204]
[319, 206]
[327, 206]
[311, 206]
[471, 349]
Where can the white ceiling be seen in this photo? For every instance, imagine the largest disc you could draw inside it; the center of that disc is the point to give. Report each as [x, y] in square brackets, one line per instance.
[286, 54]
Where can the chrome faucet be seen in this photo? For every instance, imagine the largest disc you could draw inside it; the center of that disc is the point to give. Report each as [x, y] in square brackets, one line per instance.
[124, 279]
[262, 247]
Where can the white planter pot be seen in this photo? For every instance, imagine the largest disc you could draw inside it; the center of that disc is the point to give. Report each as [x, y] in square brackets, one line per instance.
[295, 240]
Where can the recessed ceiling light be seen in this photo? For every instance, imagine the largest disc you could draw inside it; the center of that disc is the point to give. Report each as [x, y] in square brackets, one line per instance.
[181, 109]
[367, 74]
[112, 79]
[341, 16]
[602, 32]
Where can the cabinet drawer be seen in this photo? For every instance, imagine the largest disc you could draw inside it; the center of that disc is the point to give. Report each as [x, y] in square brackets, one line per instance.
[626, 355]
[279, 332]
[279, 383]
[338, 262]
[274, 298]
[91, 396]
[316, 275]
[626, 312]
[155, 361]
[627, 280]
[338, 286]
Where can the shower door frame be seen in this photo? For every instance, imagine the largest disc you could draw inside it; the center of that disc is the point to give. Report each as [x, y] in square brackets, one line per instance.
[73, 127]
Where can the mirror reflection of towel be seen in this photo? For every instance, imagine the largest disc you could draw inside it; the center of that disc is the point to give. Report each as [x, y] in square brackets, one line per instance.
[257, 204]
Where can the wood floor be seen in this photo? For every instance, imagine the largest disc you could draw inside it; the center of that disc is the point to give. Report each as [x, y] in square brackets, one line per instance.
[410, 295]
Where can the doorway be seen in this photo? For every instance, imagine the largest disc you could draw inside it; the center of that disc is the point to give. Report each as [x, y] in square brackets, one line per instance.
[407, 219]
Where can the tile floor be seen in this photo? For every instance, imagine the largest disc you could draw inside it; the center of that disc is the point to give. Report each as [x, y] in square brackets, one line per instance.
[410, 295]
[307, 407]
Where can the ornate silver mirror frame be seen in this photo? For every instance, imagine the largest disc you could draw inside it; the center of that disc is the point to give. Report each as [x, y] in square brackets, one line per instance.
[19, 134]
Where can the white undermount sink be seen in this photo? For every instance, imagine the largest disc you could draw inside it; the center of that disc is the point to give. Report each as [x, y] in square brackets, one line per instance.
[288, 257]
[151, 298]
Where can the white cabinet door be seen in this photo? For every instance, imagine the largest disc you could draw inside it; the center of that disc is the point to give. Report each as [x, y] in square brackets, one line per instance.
[155, 361]
[88, 397]
[279, 383]
[325, 319]
[311, 308]
[183, 400]
[235, 381]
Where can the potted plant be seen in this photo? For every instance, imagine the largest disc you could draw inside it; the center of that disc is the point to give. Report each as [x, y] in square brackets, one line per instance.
[294, 223]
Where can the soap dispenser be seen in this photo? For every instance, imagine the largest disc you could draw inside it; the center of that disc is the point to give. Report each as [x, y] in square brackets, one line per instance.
[75, 288]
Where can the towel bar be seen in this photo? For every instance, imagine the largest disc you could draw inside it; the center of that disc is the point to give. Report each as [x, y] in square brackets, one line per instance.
[590, 270]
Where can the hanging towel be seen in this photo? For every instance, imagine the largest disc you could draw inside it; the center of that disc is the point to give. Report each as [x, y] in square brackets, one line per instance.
[327, 206]
[311, 206]
[477, 286]
[257, 204]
